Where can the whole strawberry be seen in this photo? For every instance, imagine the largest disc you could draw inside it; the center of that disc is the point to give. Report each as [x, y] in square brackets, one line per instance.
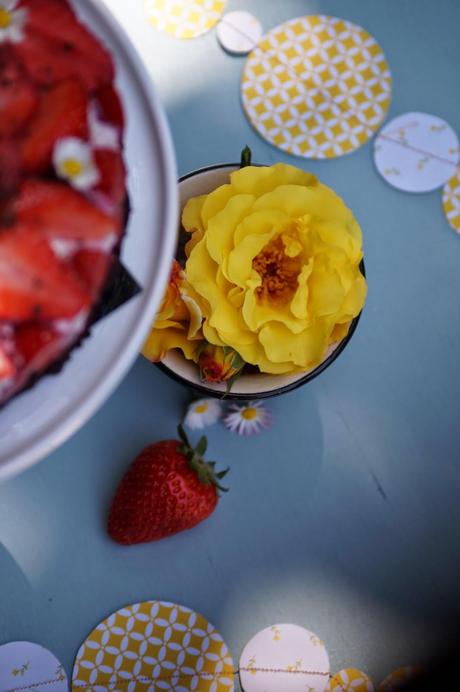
[168, 488]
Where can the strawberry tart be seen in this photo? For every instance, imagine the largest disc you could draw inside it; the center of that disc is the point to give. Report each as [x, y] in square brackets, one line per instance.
[63, 200]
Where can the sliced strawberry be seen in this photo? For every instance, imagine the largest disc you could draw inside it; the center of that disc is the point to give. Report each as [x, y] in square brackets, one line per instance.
[10, 171]
[110, 106]
[113, 175]
[61, 113]
[58, 46]
[7, 367]
[31, 338]
[34, 283]
[61, 212]
[93, 268]
[18, 96]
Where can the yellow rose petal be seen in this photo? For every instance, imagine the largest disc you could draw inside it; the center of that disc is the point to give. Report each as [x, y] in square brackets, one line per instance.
[327, 294]
[304, 350]
[196, 316]
[239, 267]
[355, 298]
[194, 240]
[210, 334]
[191, 214]
[339, 235]
[221, 227]
[162, 340]
[258, 180]
[299, 303]
[339, 332]
[215, 202]
[318, 201]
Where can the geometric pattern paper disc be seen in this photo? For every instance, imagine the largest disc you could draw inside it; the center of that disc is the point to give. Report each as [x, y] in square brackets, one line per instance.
[184, 18]
[316, 86]
[451, 201]
[350, 680]
[154, 646]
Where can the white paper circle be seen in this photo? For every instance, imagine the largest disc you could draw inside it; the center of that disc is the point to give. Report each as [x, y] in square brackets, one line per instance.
[284, 657]
[239, 32]
[28, 665]
[416, 152]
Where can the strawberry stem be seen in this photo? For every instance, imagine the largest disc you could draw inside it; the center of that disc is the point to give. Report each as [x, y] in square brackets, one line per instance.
[205, 470]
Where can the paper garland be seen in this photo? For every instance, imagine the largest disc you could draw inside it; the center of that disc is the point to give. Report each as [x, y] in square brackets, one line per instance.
[416, 152]
[451, 201]
[184, 18]
[31, 666]
[239, 32]
[155, 642]
[350, 680]
[284, 648]
[316, 86]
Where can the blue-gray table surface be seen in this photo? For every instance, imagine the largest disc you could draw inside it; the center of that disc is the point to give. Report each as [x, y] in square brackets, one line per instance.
[345, 516]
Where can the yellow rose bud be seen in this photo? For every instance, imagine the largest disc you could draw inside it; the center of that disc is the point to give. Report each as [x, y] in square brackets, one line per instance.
[218, 364]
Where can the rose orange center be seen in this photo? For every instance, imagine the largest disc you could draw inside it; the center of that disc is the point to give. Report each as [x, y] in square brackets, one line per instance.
[249, 413]
[5, 18]
[278, 272]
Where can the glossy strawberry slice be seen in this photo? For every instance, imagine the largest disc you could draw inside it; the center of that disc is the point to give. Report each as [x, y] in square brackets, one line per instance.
[10, 172]
[93, 268]
[113, 175]
[7, 367]
[61, 212]
[110, 106]
[62, 112]
[58, 46]
[34, 283]
[18, 96]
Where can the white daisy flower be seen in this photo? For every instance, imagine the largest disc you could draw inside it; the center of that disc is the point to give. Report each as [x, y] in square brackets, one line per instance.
[202, 413]
[12, 21]
[73, 161]
[249, 419]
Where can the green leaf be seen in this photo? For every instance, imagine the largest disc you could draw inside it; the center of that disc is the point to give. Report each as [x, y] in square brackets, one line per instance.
[202, 446]
[246, 157]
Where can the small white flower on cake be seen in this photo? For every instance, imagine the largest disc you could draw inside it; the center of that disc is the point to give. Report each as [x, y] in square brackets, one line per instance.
[73, 161]
[202, 413]
[249, 419]
[12, 21]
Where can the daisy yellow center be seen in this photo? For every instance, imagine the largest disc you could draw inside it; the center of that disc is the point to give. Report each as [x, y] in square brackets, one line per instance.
[5, 18]
[249, 413]
[277, 270]
[201, 408]
[72, 167]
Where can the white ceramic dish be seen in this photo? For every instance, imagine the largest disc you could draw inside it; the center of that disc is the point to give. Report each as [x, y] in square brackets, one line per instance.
[254, 386]
[39, 420]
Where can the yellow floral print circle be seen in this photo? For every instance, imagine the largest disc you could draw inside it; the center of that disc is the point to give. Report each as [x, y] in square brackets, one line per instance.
[451, 201]
[350, 680]
[184, 18]
[316, 86]
[154, 646]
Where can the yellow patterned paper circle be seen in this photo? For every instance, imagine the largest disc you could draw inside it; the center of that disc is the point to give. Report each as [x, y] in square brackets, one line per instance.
[316, 86]
[451, 201]
[350, 680]
[154, 646]
[184, 18]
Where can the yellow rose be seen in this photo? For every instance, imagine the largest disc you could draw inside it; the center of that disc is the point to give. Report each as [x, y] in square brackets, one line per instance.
[178, 323]
[275, 258]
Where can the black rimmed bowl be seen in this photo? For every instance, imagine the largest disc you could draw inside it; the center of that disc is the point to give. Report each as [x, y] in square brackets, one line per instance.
[250, 386]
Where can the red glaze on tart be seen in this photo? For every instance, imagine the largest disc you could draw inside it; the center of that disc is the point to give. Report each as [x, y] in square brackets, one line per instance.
[63, 193]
